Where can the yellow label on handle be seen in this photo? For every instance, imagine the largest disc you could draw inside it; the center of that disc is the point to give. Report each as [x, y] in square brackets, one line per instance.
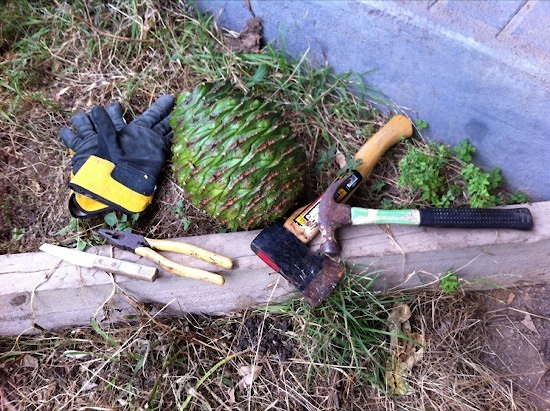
[303, 222]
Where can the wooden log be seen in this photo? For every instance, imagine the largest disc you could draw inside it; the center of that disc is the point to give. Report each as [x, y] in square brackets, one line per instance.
[39, 291]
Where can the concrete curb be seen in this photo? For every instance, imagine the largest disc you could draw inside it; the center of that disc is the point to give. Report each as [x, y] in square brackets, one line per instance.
[476, 70]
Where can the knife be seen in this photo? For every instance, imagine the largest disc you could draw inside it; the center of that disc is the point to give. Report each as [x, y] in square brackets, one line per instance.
[111, 265]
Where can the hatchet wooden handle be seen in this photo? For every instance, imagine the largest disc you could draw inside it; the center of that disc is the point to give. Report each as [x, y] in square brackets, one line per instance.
[303, 222]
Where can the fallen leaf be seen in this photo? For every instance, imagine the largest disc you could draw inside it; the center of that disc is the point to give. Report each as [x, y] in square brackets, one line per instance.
[249, 373]
[528, 322]
[88, 385]
[61, 92]
[406, 352]
[231, 393]
[247, 41]
[340, 160]
[29, 361]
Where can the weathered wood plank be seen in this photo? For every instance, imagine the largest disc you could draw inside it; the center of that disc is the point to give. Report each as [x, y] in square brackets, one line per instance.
[39, 289]
[72, 295]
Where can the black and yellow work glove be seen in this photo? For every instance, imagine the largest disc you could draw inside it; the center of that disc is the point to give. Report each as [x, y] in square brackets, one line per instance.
[82, 145]
[123, 171]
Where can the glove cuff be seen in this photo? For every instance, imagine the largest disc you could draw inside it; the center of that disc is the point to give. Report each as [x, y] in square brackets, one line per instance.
[84, 207]
[94, 180]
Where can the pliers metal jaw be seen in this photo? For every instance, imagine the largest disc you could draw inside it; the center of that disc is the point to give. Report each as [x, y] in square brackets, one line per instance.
[146, 247]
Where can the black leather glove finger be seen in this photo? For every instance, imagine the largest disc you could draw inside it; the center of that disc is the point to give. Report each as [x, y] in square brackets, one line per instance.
[157, 117]
[159, 112]
[164, 129]
[83, 143]
[114, 110]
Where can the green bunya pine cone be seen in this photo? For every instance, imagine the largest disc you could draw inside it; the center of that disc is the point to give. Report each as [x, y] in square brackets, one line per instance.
[234, 157]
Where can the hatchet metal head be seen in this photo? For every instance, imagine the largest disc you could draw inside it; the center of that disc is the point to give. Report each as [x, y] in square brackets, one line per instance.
[314, 275]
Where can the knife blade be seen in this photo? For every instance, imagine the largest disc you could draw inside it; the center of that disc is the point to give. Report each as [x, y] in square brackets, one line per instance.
[111, 265]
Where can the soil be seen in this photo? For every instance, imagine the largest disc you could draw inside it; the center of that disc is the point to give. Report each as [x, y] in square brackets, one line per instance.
[249, 40]
[266, 336]
[517, 323]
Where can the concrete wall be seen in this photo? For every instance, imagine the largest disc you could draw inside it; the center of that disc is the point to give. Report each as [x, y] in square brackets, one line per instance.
[471, 69]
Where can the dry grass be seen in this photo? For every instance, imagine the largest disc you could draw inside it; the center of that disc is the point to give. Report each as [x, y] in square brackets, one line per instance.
[71, 56]
[245, 361]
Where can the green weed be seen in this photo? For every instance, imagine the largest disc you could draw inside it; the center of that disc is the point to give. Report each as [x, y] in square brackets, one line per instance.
[443, 177]
[421, 124]
[17, 233]
[423, 169]
[180, 213]
[465, 150]
[325, 158]
[482, 185]
[120, 222]
[518, 198]
[80, 233]
[449, 283]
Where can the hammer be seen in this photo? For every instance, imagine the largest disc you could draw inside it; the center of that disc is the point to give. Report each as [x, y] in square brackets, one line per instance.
[303, 222]
[333, 215]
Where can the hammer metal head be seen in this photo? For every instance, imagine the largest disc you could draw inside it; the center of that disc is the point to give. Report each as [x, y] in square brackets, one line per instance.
[315, 276]
[332, 215]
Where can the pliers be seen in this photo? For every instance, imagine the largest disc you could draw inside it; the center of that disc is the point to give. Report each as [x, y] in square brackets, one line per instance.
[145, 247]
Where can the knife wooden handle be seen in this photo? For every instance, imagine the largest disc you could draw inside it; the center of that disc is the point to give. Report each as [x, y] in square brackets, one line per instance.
[125, 268]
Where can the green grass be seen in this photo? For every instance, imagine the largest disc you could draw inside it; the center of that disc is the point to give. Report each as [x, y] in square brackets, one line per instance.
[62, 57]
[348, 332]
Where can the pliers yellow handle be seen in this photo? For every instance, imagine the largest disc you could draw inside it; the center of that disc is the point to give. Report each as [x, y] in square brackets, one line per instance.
[146, 247]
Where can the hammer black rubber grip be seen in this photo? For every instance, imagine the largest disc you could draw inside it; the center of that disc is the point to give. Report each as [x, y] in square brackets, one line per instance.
[517, 218]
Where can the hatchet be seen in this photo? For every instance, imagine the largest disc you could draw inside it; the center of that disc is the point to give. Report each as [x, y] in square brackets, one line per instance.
[284, 249]
[316, 275]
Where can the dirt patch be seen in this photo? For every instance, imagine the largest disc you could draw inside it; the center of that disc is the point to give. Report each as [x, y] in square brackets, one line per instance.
[249, 40]
[517, 323]
[266, 336]
[30, 187]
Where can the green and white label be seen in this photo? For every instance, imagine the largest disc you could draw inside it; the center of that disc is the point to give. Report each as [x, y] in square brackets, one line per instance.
[361, 216]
